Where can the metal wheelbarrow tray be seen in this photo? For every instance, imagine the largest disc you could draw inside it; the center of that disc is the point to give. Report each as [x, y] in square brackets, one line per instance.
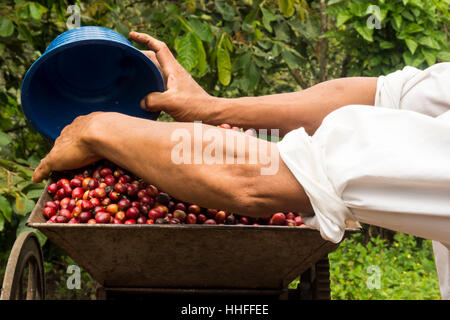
[184, 257]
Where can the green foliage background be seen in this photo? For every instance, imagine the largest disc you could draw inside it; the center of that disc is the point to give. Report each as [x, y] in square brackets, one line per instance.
[406, 266]
[232, 48]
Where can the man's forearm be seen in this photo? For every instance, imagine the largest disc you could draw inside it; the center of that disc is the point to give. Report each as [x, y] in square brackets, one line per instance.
[146, 148]
[289, 111]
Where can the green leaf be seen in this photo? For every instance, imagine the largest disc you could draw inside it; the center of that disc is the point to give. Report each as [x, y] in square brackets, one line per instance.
[227, 43]
[34, 161]
[407, 15]
[417, 3]
[413, 60]
[22, 161]
[444, 56]
[41, 237]
[413, 28]
[276, 50]
[291, 60]
[223, 66]
[202, 63]
[287, 8]
[5, 208]
[430, 56]
[310, 29]
[36, 186]
[187, 51]
[37, 10]
[21, 227]
[429, 42]
[268, 17]
[365, 32]
[250, 17]
[228, 13]
[358, 9]
[2, 222]
[24, 184]
[342, 18]
[34, 194]
[241, 62]
[23, 206]
[412, 45]
[20, 205]
[251, 72]
[202, 30]
[375, 61]
[331, 2]
[386, 45]
[122, 29]
[6, 27]
[27, 172]
[282, 32]
[398, 20]
[265, 44]
[4, 139]
[25, 32]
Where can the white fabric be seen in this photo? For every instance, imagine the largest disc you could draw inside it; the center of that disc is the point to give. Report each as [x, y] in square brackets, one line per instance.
[391, 168]
[305, 160]
[426, 92]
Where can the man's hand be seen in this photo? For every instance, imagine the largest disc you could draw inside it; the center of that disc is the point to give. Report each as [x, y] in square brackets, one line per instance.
[71, 150]
[184, 99]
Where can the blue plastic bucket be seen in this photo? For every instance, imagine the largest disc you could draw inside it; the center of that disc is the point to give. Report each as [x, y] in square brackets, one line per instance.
[84, 70]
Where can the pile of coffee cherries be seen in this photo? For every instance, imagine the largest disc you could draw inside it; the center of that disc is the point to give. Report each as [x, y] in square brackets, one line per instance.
[104, 193]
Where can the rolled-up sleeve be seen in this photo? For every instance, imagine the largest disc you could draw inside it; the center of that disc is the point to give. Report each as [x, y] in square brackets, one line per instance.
[424, 91]
[379, 166]
[427, 92]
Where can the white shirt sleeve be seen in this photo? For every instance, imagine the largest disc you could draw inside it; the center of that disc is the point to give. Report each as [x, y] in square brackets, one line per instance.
[425, 91]
[380, 166]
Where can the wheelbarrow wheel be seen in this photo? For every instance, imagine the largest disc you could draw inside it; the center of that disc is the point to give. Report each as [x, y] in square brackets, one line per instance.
[24, 275]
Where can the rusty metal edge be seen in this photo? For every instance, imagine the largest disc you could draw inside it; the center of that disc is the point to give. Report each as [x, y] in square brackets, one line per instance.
[315, 257]
[324, 249]
[36, 215]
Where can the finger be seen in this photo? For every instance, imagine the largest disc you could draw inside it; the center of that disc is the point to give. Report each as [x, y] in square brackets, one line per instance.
[161, 50]
[154, 101]
[146, 40]
[42, 171]
[152, 56]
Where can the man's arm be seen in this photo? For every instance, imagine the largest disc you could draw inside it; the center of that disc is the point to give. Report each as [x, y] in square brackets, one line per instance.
[289, 111]
[186, 101]
[146, 147]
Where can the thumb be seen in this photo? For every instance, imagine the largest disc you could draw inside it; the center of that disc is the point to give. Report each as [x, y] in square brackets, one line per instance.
[42, 171]
[153, 101]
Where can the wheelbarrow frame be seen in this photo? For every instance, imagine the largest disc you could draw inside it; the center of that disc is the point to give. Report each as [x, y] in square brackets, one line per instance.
[308, 259]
